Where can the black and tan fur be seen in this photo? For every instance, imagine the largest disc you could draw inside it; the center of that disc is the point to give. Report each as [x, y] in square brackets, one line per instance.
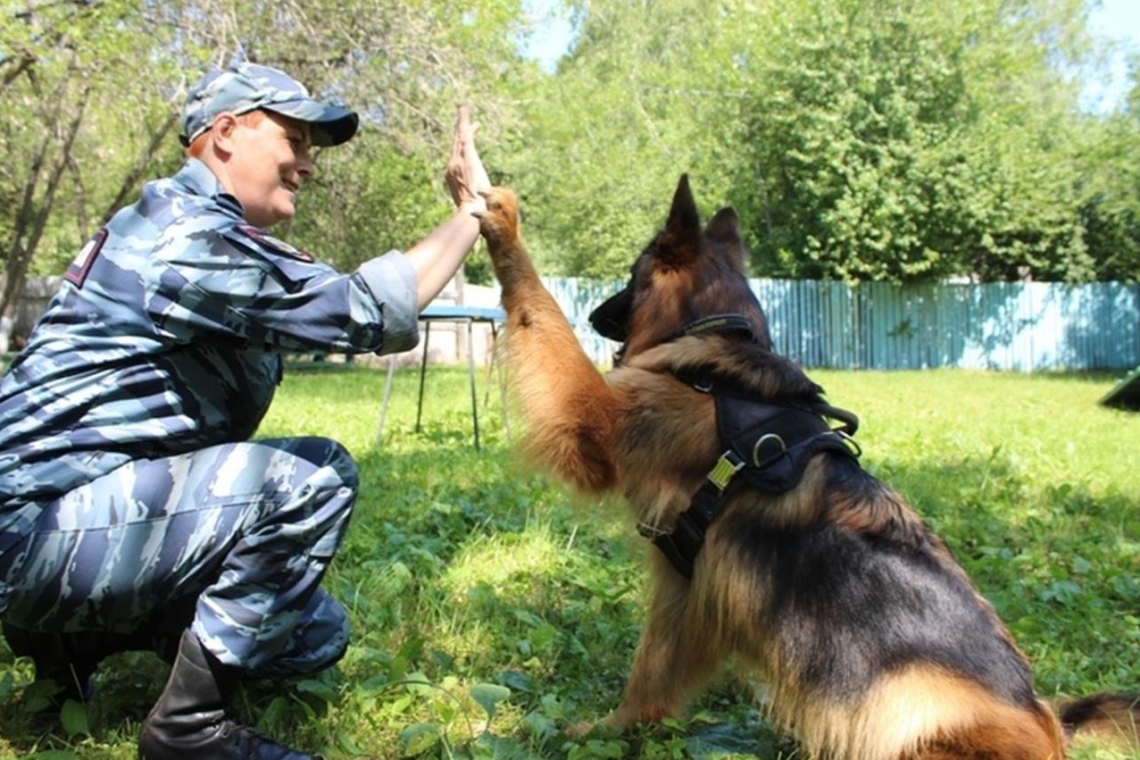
[872, 641]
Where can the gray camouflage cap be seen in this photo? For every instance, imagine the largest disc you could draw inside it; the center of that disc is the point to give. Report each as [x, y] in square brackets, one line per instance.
[247, 87]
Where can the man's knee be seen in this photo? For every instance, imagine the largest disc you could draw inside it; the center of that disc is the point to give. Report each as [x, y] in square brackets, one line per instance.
[345, 466]
[327, 453]
[318, 641]
[313, 484]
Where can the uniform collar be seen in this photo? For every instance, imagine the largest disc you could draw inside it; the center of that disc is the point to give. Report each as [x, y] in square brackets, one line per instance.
[198, 180]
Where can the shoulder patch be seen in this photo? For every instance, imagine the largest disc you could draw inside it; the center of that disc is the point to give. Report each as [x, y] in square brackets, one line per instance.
[76, 273]
[274, 244]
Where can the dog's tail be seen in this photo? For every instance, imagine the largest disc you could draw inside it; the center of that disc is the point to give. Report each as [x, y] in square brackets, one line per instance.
[1105, 717]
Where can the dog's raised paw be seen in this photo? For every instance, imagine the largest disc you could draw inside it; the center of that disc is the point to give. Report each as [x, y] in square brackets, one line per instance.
[500, 221]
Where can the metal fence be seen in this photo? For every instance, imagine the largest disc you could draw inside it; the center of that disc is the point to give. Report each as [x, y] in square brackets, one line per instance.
[1024, 326]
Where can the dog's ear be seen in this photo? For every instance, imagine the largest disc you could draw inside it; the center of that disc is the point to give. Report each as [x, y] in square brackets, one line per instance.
[723, 232]
[724, 227]
[680, 241]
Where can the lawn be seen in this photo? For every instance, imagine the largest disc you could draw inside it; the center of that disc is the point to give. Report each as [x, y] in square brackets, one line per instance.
[491, 610]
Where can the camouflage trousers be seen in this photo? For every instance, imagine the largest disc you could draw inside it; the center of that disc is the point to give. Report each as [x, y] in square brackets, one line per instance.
[232, 540]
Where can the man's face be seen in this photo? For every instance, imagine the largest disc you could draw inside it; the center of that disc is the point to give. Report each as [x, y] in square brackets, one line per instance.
[270, 161]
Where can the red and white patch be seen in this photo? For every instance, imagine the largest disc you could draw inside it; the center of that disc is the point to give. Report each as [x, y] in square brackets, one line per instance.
[76, 274]
[274, 244]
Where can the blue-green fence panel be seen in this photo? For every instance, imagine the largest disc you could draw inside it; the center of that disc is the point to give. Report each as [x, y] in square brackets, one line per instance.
[579, 296]
[1024, 326]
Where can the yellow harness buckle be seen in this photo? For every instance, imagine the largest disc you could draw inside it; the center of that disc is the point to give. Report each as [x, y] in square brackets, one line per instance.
[726, 467]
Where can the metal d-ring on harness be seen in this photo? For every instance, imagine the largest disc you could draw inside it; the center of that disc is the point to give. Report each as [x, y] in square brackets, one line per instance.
[766, 446]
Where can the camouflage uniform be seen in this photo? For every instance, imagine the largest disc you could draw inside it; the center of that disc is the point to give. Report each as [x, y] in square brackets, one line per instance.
[130, 493]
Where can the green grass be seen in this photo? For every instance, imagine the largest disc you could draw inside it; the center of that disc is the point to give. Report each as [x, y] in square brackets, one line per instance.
[491, 611]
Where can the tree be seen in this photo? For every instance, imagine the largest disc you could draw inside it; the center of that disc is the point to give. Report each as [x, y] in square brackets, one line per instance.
[1110, 208]
[645, 95]
[883, 149]
[892, 139]
[55, 53]
[877, 139]
[91, 90]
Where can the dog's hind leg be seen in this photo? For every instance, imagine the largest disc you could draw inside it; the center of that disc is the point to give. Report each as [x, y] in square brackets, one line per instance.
[674, 657]
[568, 407]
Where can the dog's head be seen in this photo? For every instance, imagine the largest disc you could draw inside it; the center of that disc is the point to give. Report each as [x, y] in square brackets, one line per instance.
[686, 274]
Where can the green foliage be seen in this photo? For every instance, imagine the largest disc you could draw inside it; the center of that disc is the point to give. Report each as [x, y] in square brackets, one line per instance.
[845, 140]
[890, 140]
[118, 71]
[609, 134]
[1110, 209]
[881, 155]
[57, 63]
[492, 613]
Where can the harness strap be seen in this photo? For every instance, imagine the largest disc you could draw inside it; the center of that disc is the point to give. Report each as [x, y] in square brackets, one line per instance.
[768, 447]
[726, 323]
[715, 323]
[683, 544]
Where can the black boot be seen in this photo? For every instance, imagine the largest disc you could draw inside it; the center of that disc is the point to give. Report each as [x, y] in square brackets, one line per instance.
[191, 719]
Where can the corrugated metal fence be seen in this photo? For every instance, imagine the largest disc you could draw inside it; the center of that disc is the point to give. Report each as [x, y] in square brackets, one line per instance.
[1024, 326]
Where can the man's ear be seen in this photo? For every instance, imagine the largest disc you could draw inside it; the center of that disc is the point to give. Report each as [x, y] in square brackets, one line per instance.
[222, 131]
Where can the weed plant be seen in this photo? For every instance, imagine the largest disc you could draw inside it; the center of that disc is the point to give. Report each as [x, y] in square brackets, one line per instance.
[491, 611]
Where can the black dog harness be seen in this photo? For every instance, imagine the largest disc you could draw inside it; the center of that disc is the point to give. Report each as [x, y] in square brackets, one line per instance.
[766, 446]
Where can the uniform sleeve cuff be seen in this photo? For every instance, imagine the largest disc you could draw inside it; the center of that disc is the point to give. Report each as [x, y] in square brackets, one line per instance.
[392, 281]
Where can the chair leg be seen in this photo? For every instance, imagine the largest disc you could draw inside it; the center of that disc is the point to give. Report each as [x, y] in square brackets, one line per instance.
[387, 398]
[471, 372]
[423, 372]
[501, 369]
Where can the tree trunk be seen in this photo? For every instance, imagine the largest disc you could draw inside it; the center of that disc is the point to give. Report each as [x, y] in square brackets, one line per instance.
[131, 181]
[31, 221]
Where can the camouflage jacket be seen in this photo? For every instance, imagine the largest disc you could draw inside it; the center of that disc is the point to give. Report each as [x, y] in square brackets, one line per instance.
[165, 338]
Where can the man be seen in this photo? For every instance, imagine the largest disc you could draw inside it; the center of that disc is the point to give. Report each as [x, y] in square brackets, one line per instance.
[135, 511]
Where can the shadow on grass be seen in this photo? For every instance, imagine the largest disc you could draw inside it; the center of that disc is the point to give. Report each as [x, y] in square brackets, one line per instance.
[463, 568]
[505, 580]
[1053, 559]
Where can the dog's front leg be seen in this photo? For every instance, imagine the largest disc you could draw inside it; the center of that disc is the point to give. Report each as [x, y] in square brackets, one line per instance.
[674, 657]
[568, 407]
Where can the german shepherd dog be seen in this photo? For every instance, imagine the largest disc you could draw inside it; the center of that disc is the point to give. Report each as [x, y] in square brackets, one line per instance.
[773, 546]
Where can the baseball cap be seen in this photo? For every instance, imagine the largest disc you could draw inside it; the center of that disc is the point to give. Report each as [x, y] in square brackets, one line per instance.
[247, 87]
